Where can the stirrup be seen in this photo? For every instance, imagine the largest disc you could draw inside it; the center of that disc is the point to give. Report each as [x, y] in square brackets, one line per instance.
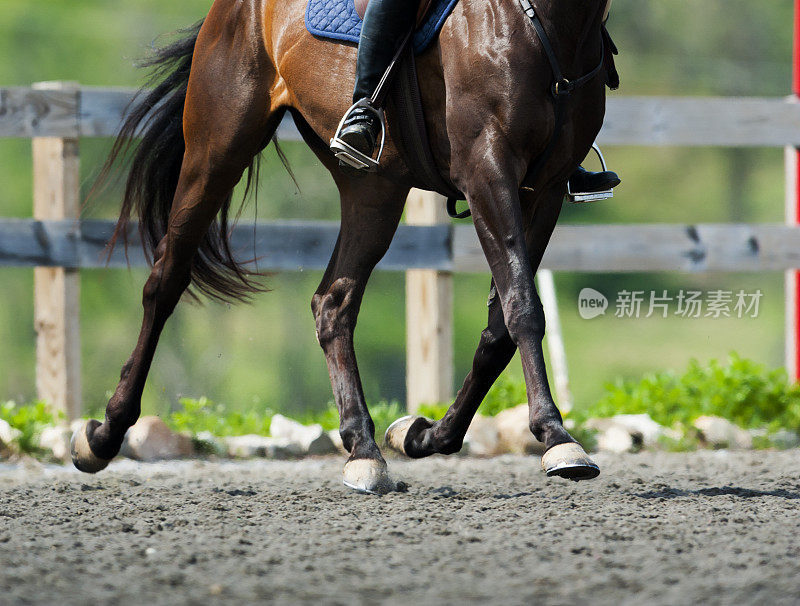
[591, 196]
[348, 154]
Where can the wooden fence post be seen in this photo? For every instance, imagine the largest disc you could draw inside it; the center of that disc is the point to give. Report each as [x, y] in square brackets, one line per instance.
[56, 195]
[429, 316]
[555, 339]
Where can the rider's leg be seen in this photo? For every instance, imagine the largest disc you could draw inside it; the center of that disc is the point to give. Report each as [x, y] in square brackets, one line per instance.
[386, 23]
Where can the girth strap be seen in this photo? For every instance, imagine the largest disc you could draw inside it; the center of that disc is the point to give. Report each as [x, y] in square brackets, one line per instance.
[410, 131]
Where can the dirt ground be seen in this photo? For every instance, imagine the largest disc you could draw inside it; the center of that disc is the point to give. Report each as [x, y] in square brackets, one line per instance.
[708, 528]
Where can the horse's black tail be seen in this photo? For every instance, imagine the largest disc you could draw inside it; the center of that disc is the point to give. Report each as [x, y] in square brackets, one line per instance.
[156, 118]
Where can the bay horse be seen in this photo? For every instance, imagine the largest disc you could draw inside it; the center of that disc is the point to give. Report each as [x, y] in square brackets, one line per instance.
[487, 86]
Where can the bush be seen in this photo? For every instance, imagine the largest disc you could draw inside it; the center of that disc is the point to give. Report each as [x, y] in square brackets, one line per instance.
[202, 414]
[742, 391]
[29, 419]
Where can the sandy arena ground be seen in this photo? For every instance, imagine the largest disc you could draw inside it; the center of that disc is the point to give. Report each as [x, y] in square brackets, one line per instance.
[706, 528]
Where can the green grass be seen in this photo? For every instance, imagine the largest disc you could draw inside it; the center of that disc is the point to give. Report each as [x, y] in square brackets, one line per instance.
[199, 415]
[740, 390]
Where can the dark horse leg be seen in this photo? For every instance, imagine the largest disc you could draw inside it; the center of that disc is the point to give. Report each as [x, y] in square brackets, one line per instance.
[516, 322]
[227, 120]
[495, 349]
[371, 210]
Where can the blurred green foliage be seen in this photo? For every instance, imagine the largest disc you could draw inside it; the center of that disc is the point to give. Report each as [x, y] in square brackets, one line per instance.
[29, 420]
[264, 357]
[199, 415]
[742, 391]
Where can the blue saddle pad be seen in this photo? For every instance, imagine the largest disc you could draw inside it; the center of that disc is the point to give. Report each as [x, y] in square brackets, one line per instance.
[338, 20]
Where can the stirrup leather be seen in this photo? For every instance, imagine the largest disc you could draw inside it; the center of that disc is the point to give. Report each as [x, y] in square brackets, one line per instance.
[348, 154]
[591, 196]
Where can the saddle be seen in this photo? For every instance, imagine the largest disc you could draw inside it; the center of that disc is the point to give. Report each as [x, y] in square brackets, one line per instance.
[422, 11]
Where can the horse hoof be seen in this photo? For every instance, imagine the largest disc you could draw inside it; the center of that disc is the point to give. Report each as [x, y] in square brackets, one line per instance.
[569, 461]
[395, 436]
[82, 456]
[367, 476]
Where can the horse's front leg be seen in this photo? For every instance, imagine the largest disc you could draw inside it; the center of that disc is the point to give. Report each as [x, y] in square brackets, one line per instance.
[497, 214]
[371, 209]
[492, 188]
[417, 437]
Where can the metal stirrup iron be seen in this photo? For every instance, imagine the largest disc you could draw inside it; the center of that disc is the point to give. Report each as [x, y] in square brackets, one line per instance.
[591, 196]
[348, 154]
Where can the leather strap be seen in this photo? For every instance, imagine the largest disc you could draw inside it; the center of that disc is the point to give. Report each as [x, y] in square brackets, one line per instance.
[412, 134]
[561, 90]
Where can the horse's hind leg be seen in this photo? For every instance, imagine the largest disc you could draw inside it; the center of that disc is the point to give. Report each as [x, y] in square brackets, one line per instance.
[226, 122]
[371, 209]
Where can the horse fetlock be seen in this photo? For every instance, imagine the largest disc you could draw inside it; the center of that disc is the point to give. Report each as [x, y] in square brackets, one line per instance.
[550, 433]
[358, 440]
[449, 445]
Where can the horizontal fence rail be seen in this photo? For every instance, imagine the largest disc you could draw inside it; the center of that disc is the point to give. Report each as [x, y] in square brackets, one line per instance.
[296, 245]
[701, 121]
[428, 248]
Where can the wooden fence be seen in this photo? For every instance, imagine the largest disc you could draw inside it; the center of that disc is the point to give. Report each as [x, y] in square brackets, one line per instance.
[429, 248]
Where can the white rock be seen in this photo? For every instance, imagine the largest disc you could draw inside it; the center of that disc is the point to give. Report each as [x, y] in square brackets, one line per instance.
[312, 439]
[56, 440]
[483, 439]
[7, 433]
[514, 433]
[252, 445]
[151, 440]
[246, 447]
[615, 439]
[644, 432]
[720, 432]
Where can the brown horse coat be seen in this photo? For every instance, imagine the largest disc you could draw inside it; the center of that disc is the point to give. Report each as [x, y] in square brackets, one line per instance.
[486, 88]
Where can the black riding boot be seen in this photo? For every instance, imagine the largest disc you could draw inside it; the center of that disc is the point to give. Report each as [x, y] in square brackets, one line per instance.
[386, 23]
[585, 181]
